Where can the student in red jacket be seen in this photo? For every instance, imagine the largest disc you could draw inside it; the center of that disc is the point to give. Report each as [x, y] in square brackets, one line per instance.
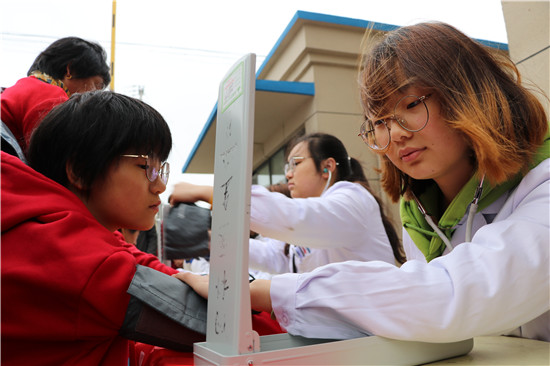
[73, 292]
[67, 66]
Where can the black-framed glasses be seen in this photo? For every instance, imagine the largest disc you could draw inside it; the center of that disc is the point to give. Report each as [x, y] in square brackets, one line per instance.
[293, 162]
[411, 112]
[153, 168]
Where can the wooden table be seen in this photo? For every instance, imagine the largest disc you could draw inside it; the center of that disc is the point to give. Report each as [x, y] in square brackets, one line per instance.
[503, 351]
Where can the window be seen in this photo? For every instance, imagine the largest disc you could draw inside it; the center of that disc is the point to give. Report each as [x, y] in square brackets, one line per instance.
[272, 171]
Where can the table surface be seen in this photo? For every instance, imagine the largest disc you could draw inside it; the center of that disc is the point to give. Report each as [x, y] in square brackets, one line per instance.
[496, 351]
[503, 351]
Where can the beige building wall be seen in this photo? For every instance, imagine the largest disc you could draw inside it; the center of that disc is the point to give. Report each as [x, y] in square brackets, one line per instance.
[528, 28]
[329, 56]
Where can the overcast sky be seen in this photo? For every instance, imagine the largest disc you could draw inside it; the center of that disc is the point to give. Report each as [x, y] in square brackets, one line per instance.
[178, 50]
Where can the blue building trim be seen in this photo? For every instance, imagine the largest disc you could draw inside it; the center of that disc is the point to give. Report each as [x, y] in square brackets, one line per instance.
[497, 45]
[201, 137]
[290, 87]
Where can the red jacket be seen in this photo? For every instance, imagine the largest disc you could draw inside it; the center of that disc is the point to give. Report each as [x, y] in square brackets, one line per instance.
[64, 276]
[26, 103]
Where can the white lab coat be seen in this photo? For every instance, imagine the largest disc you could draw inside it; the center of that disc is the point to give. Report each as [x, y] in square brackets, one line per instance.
[497, 284]
[267, 255]
[343, 224]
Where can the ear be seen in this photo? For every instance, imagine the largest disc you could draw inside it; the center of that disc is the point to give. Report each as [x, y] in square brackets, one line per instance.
[68, 74]
[74, 181]
[329, 165]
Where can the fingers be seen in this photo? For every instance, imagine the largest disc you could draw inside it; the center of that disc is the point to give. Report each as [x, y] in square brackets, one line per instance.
[188, 277]
[197, 282]
[180, 276]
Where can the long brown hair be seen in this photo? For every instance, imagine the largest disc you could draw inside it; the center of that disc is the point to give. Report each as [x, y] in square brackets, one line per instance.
[322, 146]
[479, 89]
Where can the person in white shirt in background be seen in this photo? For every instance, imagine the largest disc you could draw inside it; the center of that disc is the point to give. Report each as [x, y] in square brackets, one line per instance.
[465, 149]
[332, 215]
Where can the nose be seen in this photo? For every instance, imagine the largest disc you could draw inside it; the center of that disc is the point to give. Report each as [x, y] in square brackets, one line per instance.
[397, 132]
[289, 173]
[158, 186]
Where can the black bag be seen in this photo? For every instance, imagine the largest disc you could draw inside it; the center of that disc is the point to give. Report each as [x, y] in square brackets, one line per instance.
[186, 232]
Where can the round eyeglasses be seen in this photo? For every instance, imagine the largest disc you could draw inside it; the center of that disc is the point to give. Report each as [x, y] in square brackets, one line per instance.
[293, 162]
[410, 112]
[153, 168]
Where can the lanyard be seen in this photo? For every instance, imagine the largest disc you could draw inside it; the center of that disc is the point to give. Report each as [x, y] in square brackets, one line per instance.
[469, 222]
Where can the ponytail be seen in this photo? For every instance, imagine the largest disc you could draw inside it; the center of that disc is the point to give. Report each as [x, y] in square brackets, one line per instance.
[357, 175]
[323, 146]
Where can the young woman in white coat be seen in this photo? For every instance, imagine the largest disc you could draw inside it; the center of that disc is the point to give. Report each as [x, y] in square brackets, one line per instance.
[465, 148]
[332, 215]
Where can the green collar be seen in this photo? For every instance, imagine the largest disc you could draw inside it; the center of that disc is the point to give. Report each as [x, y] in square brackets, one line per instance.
[429, 243]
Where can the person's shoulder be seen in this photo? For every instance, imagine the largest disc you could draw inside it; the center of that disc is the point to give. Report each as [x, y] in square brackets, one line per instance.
[344, 184]
[30, 84]
[24, 83]
[354, 191]
[107, 247]
[347, 186]
[534, 187]
[543, 166]
[537, 175]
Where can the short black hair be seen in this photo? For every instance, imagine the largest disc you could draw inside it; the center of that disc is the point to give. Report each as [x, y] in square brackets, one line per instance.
[84, 59]
[90, 131]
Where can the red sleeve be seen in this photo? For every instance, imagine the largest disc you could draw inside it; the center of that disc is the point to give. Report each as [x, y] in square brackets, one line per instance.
[145, 259]
[104, 299]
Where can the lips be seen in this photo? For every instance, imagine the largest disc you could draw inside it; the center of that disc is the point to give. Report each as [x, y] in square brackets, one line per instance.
[409, 154]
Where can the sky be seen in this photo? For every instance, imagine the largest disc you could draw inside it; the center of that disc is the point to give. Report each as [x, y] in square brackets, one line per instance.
[177, 51]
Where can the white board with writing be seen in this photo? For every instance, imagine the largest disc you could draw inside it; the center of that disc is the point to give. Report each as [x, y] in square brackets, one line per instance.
[229, 328]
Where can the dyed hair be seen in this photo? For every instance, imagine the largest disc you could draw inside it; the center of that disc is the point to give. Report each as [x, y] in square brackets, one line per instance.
[84, 59]
[322, 146]
[479, 90]
[90, 131]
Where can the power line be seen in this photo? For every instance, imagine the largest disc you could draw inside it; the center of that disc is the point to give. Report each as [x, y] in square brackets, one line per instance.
[212, 53]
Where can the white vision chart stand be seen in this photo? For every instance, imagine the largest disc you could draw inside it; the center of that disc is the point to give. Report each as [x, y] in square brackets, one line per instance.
[230, 339]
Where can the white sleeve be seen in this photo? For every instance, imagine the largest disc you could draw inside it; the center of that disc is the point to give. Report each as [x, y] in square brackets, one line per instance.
[411, 250]
[497, 282]
[268, 255]
[345, 213]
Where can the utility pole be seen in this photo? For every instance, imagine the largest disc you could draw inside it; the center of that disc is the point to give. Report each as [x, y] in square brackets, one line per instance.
[113, 32]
